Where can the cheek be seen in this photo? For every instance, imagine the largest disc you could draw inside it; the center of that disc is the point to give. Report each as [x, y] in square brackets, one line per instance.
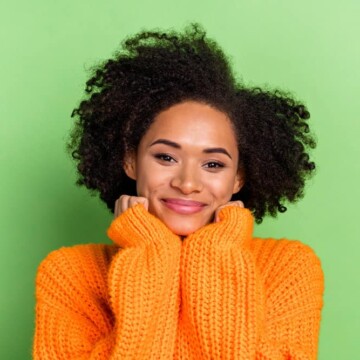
[221, 188]
[149, 182]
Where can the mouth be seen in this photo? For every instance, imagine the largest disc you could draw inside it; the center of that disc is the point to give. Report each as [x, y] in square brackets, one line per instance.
[184, 207]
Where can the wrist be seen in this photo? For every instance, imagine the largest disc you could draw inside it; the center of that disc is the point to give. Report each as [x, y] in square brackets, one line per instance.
[235, 226]
[137, 227]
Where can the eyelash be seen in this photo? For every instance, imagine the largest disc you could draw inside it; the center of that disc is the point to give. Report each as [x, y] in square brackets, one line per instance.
[162, 157]
[167, 158]
[217, 164]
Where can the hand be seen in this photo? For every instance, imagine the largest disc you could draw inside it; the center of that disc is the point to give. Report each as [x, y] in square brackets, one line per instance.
[125, 202]
[230, 203]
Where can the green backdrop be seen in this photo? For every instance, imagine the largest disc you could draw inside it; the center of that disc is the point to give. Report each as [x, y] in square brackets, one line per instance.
[309, 47]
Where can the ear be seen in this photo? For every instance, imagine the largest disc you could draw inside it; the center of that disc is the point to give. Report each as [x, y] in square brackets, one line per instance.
[239, 181]
[129, 165]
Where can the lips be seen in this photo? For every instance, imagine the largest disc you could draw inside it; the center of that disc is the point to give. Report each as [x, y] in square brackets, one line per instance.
[185, 207]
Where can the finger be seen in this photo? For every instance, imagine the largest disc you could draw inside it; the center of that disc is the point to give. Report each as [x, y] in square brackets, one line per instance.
[119, 205]
[116, 210]
[216, 216]
[124, 203]
[233, 203]
[145, 202]
[230, 203]
[237, 203]
[134, 200]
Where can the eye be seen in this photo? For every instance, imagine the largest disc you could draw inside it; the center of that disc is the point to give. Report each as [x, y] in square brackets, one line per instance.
[214, 165]
[164, 157]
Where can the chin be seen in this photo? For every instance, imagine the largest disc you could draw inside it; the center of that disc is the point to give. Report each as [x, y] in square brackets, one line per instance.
[182, 225]
[182, 229]
[182, 232]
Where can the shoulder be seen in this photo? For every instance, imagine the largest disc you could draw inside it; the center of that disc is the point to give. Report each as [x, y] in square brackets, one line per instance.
[78, 254]
[283, 251]
[283, 263]
[84, 266]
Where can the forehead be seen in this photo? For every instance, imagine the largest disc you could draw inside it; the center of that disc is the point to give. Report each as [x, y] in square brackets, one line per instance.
[192, 122]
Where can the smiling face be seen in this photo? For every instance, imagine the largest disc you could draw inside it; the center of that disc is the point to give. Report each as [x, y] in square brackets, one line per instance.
[186, 165]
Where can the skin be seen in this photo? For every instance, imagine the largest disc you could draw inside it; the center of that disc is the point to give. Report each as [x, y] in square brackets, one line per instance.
[185, 168]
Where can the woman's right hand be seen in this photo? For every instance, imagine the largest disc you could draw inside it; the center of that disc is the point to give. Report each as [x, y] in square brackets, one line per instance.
[125, 202]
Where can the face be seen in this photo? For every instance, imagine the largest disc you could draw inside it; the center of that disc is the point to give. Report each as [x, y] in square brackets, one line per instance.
[186, 165]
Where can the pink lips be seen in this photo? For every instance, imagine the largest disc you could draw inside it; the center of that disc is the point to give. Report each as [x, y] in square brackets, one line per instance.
[186, 207]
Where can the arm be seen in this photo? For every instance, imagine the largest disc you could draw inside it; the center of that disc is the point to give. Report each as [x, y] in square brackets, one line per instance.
[227, 308]
[142, 293]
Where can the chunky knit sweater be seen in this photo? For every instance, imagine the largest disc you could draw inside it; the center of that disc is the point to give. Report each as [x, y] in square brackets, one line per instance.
[217, 294]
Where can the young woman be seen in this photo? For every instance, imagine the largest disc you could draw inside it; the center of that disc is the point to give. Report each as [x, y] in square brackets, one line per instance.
[186, 157]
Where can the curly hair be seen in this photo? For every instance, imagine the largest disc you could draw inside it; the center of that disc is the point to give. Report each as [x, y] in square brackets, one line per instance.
[155, 70]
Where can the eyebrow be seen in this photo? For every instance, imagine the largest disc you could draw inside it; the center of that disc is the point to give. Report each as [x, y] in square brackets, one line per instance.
[178, 146]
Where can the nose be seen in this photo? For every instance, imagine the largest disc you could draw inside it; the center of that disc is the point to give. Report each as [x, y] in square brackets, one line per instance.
[187, 180]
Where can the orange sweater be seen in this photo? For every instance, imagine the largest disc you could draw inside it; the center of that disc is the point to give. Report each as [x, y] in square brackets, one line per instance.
[218, 294]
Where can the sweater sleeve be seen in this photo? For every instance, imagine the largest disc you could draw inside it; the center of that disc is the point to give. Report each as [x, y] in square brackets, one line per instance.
[142, 295]
[233, 308]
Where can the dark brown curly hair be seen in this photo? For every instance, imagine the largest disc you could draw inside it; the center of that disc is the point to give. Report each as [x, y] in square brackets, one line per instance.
[155, 70]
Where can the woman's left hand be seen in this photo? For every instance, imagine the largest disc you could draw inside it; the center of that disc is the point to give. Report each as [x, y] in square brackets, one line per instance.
[230, 203]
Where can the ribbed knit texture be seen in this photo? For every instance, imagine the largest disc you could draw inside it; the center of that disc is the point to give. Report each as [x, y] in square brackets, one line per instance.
[218, 294]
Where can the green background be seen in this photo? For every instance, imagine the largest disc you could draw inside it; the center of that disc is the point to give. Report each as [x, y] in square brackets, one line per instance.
[309, 47]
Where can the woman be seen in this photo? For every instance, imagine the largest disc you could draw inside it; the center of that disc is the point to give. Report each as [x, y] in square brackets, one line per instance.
[186, 157]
